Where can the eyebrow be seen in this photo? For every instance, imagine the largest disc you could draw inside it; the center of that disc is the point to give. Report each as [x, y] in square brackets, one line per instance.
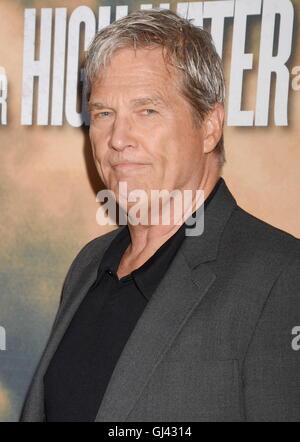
[142, 101]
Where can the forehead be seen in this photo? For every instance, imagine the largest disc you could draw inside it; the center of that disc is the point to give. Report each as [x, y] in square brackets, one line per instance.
[133, 68]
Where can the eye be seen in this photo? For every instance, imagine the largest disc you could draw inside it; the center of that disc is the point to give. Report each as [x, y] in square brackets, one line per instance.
[103, 114]
[149, 111]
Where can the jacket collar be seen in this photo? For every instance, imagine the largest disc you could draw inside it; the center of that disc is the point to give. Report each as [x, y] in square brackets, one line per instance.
[204, 248]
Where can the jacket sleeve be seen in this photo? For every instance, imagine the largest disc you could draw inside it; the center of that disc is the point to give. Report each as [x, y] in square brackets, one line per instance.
[271, 370]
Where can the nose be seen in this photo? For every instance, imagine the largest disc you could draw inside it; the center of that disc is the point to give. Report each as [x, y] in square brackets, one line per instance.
[122, 135]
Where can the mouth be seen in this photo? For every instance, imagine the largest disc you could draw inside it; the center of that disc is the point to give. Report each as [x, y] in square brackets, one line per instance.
[128, 165]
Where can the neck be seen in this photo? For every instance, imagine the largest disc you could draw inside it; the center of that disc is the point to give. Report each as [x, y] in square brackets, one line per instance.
[146, 239]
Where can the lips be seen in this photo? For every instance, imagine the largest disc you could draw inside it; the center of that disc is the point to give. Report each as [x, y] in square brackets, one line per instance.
[127, 164]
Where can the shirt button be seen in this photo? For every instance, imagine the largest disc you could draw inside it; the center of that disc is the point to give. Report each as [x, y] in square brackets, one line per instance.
[110, 272]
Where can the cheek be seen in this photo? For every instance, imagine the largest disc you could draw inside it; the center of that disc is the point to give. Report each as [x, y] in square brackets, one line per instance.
[98, 145]
[99, 155]
[96, 138]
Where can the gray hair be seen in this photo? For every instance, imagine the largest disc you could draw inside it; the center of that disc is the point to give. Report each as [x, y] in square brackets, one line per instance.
[188, 48]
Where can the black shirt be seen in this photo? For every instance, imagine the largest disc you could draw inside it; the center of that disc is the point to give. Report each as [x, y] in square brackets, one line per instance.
[80, 370]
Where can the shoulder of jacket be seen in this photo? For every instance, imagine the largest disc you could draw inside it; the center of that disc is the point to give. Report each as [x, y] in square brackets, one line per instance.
[96, 245]
[93, 250]
[255, 234]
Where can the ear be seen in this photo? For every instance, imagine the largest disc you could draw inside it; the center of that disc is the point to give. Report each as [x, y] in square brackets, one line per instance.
[213, 128]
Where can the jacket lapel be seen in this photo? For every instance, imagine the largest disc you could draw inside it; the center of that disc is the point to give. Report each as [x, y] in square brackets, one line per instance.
[183, 287]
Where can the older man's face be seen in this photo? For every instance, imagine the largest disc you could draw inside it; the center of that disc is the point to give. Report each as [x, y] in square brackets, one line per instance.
[142, 129]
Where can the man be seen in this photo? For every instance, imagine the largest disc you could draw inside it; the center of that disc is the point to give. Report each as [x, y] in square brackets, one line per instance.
[155, 324]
